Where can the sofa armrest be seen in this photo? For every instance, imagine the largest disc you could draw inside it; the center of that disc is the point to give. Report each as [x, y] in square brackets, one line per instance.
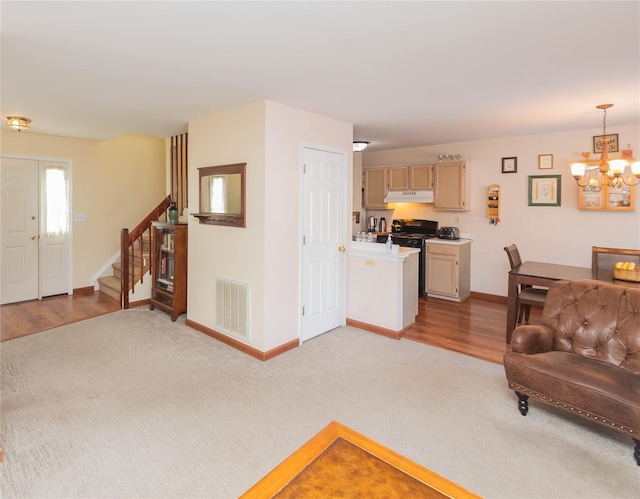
[532, 338]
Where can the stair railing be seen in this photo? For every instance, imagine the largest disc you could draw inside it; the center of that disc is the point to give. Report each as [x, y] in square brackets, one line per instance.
[128, 247]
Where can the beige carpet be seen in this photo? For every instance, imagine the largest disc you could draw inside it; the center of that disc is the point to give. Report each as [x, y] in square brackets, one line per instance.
[132, 405]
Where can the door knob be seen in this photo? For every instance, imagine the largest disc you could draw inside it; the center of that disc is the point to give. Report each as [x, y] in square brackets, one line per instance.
[341, 249]
[34, 237]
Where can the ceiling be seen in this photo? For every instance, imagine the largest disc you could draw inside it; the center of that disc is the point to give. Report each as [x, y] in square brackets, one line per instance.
[404, 74]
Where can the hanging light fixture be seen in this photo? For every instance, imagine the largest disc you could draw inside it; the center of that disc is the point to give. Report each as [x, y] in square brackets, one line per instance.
[359, 146]
[611, 170]
[18, 122]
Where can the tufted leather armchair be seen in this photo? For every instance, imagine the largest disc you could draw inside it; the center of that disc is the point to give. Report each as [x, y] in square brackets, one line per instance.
[585, 356]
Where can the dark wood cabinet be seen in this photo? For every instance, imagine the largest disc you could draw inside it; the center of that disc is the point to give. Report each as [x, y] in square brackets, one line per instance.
[169, 276]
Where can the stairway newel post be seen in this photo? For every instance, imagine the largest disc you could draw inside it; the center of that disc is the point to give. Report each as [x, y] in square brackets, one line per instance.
[124, 274]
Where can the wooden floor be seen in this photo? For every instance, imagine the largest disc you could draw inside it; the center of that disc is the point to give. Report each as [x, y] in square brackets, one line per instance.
[475, 327]
[24, 318]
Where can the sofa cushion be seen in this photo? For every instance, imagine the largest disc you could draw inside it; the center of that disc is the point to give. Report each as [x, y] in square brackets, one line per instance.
[596, 320]
[563, 378]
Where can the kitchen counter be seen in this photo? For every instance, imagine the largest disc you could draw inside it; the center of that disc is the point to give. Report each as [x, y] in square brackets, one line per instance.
[452, 242]
[382, 288]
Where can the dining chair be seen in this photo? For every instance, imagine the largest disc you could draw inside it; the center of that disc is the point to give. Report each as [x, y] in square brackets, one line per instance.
[528, 296]
[606, 258]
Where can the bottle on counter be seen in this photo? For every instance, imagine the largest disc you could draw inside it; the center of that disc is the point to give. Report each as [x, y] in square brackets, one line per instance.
[389, 244]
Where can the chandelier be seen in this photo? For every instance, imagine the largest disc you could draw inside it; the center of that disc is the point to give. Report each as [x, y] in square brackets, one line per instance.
[611, 169]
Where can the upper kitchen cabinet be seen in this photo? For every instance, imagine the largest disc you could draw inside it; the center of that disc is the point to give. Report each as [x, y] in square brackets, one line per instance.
[398, 178]
[375, 187]
[421, 177]
[451, 186]
[411, 177]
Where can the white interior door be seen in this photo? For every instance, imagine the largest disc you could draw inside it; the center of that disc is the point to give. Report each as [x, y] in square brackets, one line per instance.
[323, 255]
[19, 231]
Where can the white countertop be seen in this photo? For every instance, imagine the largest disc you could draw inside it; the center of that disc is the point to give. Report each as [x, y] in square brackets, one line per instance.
[379, 251]
[451, 242]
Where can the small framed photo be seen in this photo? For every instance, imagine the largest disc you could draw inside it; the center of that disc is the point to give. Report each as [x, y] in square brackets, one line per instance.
[545, 161]
[610, 139]
[509, 165]
[545, 190]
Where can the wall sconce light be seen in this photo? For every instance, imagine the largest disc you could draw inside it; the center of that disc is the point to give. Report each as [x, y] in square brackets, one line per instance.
[18, 122]
[359, 146]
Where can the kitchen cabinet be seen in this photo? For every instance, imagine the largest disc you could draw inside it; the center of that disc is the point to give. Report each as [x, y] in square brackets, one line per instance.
[169, 275]
[449, 270]
[410, 177]
[398, 177]
[375, 187]
[598, 196]
[421, 177]
[451, 186]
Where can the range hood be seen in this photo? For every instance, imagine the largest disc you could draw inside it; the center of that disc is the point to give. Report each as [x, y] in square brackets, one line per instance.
[409, 197]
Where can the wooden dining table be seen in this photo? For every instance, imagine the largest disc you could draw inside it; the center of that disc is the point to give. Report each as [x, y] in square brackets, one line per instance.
[544, 274]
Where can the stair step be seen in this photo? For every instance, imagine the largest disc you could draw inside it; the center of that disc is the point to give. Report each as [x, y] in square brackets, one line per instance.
[117, 271]
[110, 286]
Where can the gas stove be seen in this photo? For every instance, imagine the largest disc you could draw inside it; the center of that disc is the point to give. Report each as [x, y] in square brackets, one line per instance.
[408, 227]
[412, 233]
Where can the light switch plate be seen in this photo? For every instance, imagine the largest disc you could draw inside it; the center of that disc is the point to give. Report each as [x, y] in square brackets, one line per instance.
[79, 217]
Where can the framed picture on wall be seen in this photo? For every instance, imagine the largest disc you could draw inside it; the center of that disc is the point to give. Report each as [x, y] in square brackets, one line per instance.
[509, 165]
[545, 161]
[545, 190]
[610, 139]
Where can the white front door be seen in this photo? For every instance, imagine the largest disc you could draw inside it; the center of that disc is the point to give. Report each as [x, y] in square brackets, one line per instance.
[323, 254]
[34, 259]
[19, 232]
[54, 228]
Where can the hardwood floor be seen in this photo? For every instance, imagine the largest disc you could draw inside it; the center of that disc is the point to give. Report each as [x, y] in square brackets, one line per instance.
[475, 327]
[24, 318]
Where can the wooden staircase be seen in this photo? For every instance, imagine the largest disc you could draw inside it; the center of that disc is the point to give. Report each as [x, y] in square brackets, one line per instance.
[135, 249]
[112, 285]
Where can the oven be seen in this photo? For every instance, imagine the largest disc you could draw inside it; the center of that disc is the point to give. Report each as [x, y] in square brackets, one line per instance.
[412, 233]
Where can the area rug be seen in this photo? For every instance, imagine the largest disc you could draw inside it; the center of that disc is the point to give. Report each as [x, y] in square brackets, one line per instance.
[131, 404]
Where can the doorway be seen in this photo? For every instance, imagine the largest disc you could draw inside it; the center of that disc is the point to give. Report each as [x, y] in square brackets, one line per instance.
[34, 229]
[323, 250]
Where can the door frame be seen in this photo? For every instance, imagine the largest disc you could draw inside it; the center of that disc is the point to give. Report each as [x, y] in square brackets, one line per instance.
[69, 168]
[345, 229]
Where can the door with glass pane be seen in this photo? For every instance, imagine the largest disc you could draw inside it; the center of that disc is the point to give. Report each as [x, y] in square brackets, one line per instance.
[34, 231]
[54, 229]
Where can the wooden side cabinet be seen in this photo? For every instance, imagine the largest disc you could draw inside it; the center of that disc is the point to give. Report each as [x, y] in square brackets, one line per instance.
[449, 271]
[169, 275]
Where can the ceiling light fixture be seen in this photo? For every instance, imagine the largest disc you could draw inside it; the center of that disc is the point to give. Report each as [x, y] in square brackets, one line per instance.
[611, 170]
[359, 146]
[18, 122]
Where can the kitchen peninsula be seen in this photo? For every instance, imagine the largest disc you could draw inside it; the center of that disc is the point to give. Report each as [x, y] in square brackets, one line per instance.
[382, 288]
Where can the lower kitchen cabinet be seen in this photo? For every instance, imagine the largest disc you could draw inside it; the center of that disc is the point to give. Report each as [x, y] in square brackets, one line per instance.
[449, 270]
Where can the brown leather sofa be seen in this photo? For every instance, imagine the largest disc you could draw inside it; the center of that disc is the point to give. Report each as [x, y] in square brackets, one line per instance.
[585, 356]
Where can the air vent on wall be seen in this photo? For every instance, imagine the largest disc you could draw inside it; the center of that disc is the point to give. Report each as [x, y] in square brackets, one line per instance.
[232, 308]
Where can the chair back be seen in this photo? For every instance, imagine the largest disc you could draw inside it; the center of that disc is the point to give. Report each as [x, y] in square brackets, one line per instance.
[605, 258]
[514, 255]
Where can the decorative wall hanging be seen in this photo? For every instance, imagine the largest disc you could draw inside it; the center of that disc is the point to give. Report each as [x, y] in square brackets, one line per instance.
[509, 165]
[545, 190]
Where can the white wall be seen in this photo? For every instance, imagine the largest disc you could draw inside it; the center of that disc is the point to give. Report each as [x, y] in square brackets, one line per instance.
[269, 137]
[561, 235]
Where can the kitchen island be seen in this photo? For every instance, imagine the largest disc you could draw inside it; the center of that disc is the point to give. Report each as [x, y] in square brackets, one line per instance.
[382, 288]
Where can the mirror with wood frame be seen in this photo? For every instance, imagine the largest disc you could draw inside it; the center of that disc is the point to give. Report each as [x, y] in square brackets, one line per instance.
[222, 195]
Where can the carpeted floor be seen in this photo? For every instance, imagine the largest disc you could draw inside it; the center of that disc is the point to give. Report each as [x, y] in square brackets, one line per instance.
[133, 405]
